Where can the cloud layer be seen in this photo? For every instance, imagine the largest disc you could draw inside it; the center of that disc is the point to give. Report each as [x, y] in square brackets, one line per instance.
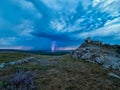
[39, 23]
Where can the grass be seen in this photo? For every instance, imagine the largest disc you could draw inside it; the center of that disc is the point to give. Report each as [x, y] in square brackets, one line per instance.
[12, 56]
[49, 57]
[68, 74]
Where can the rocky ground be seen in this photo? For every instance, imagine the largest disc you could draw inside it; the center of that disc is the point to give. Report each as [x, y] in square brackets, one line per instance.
[95, 51]
[56, 73]
[27, 71]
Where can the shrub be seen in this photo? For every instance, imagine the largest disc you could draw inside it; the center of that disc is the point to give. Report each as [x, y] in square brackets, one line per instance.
[20, 80]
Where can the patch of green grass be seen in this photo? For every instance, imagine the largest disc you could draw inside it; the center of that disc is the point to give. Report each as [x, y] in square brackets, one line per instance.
[68, 57]
[12, 56]
[49, 57]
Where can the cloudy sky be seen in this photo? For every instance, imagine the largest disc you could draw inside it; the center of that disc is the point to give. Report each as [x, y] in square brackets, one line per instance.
[57, 24]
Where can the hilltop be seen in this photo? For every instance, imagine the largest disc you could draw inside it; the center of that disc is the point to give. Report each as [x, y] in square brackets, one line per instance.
[97, 52]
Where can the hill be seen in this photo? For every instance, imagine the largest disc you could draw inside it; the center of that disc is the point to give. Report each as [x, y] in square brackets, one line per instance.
[97, 52]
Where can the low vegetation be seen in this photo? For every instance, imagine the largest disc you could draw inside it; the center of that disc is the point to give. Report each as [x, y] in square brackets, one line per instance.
[12, 56]
[68, 74]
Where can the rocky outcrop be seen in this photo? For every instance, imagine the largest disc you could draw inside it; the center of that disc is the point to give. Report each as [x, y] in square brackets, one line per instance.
[114, 75]
[27, 60]
[97, 52]
[18, 62]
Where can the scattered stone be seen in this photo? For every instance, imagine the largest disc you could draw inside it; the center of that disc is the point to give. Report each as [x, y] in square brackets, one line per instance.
[12, 63]
[97, 52]
[114, 75]
[2, 65]
[30, 59]
[27, 60]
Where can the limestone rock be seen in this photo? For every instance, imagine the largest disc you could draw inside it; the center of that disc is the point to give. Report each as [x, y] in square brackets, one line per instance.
[2, 65]
[114, 75]
[22, 61]
[97, 52]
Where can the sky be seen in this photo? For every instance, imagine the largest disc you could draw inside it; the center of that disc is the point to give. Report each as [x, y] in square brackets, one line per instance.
[57, 24]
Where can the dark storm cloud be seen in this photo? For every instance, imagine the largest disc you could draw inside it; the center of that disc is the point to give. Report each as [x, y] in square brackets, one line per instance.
[60, 21]
[93, 18]
[56, 36]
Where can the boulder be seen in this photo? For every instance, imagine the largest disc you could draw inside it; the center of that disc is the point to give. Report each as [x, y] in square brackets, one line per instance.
[113, 75]
[2, 65]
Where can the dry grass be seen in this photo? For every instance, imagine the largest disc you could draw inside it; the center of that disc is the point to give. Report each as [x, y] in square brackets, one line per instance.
[67, 75]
